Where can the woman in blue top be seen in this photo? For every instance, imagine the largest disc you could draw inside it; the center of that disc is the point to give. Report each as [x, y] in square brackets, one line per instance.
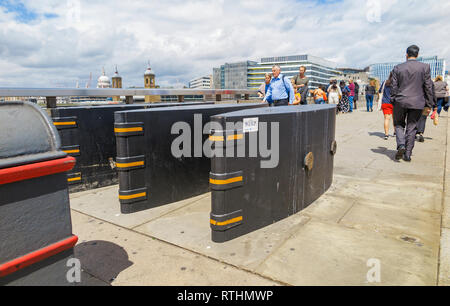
[386, 106]
[264, 87]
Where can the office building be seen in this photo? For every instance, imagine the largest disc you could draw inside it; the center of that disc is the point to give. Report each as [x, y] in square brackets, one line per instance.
[232, 75]
[318, 70]
[250, 74]
[203, 82]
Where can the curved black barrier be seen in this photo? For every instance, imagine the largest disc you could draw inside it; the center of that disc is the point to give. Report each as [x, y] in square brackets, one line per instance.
[87, 133]
[150, 175]
[253, 188]
[36, 239]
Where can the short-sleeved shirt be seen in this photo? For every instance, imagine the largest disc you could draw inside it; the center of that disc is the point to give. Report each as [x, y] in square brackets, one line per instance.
[299, 81]
[302, 90]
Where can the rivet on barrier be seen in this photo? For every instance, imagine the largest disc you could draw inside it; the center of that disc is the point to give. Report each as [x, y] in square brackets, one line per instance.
[334, 147]
[309, 161]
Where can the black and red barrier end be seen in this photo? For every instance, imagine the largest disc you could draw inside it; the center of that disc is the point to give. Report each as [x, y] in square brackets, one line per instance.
[36, 236]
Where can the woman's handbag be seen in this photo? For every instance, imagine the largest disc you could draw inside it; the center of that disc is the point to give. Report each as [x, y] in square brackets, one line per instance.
[380, 97]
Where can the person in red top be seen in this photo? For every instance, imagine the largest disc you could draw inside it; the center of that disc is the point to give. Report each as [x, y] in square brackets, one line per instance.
[351, 96]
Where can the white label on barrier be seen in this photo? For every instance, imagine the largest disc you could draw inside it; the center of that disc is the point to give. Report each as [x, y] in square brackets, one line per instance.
[251, 125]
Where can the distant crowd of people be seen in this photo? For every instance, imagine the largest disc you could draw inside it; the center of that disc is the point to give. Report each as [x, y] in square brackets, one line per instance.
[408, 97]
[277, 90]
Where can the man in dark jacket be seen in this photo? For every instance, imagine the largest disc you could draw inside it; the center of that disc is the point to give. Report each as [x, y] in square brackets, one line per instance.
[411, 92]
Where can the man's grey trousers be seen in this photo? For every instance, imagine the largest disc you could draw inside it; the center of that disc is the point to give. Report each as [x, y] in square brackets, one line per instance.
[405, 122]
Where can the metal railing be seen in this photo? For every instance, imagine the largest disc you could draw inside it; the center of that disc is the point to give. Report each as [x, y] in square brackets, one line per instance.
[51, 94]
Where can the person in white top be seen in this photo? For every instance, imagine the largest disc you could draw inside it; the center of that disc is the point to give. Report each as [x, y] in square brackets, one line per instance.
[334, 93]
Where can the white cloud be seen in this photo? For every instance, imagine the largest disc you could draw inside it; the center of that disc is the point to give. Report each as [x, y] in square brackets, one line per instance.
[185, 39]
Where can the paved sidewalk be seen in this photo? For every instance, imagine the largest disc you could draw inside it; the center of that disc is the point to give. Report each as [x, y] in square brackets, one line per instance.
[377, 208]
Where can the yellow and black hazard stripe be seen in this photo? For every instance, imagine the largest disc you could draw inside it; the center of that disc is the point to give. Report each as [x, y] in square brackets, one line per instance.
[72, 150]
[131, 196]
[222, 138]
[65, 122]
[129, 129]
[74, 178]
[227, 221]
[130, 163]
[226, 181]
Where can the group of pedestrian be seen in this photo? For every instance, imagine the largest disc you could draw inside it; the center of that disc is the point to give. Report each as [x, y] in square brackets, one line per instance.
[278, 90]
[344, 95]
[409, 96]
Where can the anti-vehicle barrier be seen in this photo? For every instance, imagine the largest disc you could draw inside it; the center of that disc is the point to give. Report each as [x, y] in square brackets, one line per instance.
[150, 175]
[248, 195]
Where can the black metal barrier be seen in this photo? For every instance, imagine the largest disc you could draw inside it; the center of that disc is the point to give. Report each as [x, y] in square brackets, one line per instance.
[270, 164]
[150, 174]
[87, 133]
[36, 239]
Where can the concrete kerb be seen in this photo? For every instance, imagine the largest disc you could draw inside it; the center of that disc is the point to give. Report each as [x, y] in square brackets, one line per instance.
[444, 251]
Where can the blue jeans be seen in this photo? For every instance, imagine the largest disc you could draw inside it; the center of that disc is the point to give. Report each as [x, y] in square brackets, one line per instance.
[320, 101]
[350, 103]
[440, 105]
[369, 102]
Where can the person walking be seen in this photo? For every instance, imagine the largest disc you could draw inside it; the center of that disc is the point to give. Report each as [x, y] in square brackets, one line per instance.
[370, 94]
[411, 92]
[356, 95]
[334, 93]
[351, 95]
[344, 105]
[302, 84]
[280, 89]
[440, 90]
[386, 104]
[263, 88]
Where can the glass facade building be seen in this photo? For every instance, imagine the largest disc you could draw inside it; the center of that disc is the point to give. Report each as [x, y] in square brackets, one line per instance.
[382, 71]
[318, 70]
[250, 74]
[232, 75]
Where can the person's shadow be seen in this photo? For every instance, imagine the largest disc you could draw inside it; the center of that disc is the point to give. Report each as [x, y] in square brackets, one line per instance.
[386, 152]
[102, 259]
[376, 134]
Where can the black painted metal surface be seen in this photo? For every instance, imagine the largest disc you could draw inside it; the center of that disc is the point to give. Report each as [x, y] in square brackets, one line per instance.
[150, 175]
[26, 135]
[34, 212]
[87, 133]
[246, 196]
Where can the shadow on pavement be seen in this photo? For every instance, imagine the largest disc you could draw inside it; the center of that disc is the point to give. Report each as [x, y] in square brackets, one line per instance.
[386, 152]
[102, 259]
[377, 134]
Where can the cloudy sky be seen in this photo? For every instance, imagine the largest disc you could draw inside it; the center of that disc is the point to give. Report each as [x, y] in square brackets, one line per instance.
[54, 43]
